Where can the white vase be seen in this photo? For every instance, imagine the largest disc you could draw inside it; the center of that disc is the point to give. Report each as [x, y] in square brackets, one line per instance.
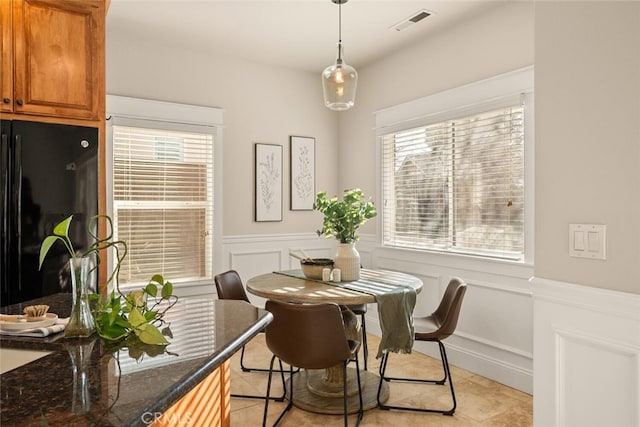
[347, 259]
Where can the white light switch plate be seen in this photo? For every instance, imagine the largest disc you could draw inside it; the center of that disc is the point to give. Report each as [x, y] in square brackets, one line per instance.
[587, 241]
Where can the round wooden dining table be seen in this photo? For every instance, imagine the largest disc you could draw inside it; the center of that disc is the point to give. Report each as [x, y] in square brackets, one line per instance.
[321, 391]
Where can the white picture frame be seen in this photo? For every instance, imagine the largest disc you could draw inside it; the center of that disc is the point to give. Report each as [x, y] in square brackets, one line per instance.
[268, 182]
[303, 173]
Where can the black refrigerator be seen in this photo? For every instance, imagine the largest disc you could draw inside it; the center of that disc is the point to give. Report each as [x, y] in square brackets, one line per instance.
[49, 171]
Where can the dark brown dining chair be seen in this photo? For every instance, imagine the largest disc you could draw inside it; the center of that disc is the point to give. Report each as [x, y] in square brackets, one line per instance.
[229, 286]
[310, 336]
[435, 327]
[361, 310]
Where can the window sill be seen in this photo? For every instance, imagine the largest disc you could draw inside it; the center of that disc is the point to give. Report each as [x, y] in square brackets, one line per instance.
[518, 269]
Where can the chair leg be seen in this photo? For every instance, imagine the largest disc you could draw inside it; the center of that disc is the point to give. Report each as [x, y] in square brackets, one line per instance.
[365, 347]
[266, 400]
[252, 396]
[361, 408]
[344, 393]
[381, 370]
[447, 374]
[289, 405]
[248, 369]
[445, 364]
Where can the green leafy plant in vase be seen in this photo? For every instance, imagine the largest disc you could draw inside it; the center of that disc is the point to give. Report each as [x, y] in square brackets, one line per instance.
[342, 218]
[115, 316]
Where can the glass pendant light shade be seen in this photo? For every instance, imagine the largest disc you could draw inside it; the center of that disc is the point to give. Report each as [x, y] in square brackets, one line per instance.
[339, 83]
[339, 80]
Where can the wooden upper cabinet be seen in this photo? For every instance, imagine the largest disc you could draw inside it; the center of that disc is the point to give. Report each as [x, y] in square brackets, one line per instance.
[6, 45]
[59, 59]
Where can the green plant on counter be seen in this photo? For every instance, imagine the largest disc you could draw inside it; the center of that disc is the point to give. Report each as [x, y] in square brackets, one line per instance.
[342, 218]
[118, 316]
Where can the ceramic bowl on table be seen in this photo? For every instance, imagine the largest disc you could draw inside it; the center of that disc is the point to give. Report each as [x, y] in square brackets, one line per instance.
[312, 267]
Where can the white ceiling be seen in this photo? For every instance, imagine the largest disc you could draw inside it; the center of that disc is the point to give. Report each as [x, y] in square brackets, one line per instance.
[300, 34]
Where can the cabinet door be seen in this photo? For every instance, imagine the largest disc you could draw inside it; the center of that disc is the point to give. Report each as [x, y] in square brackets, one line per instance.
[6, 67]
[59, 57]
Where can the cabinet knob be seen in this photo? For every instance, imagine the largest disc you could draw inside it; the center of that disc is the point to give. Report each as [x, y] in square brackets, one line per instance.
[6, 100]
[19, 101]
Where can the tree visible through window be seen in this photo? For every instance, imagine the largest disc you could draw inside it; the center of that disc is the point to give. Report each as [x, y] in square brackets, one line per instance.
[457, 185]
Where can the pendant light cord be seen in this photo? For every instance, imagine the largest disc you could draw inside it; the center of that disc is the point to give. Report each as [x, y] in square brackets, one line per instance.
[340, 23]
[340, 32]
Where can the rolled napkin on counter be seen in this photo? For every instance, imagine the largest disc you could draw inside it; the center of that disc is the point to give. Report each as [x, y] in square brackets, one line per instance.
[39, 332]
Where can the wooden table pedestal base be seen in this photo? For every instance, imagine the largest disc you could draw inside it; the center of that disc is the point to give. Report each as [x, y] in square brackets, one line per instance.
[313, 393]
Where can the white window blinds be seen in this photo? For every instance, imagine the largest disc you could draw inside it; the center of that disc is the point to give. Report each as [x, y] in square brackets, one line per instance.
[457, 185]
[163, 202]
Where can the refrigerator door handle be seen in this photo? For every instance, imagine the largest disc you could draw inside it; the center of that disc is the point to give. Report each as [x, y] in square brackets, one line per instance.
[4, 223]
[17, 201]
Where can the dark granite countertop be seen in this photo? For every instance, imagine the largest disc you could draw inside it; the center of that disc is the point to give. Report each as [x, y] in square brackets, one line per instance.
[86, 382]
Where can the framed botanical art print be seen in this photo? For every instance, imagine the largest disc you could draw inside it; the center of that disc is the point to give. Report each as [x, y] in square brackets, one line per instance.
[303, 173]
[268, 185]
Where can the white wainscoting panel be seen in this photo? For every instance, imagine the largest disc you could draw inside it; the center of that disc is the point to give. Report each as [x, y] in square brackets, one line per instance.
[254, 255]
[494, 336]
[587, 356]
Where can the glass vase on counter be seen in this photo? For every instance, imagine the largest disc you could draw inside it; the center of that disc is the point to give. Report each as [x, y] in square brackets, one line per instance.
[81, 322]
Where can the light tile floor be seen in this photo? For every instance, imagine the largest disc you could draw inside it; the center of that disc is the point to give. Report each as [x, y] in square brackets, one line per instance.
[481, 402]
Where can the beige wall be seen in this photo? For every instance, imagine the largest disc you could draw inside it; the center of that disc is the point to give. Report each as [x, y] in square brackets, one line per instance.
[587, 76]
[261, 104]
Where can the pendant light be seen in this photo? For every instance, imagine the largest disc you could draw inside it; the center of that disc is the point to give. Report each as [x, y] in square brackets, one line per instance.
[339, 80]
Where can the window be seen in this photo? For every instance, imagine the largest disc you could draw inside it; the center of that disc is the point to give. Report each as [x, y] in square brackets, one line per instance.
[162, 204]
[456, 182]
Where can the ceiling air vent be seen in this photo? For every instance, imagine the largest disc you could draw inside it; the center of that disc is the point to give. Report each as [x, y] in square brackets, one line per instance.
[413, 19]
